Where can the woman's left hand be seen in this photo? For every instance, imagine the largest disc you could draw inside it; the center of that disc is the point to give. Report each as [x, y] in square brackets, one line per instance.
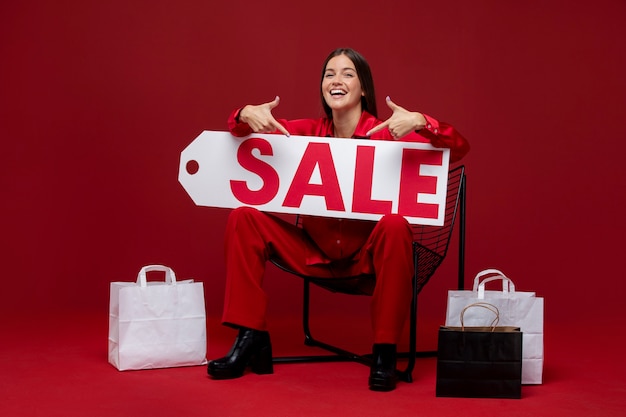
[401, 122]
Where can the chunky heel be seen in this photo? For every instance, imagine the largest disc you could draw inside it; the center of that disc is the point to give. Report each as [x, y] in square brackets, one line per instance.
[261, 363]
[383, 375]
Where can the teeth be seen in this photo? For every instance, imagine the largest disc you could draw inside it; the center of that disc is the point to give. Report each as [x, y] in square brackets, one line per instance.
[333, 92]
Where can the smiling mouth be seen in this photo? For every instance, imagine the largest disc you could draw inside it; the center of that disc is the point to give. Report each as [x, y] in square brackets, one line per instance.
[337, 93]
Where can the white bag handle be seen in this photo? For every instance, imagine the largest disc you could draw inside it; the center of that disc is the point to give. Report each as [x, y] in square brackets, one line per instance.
[479, 286]
[170, 276]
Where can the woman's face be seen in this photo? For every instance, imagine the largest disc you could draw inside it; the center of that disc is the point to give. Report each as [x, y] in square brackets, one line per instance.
[341, 86]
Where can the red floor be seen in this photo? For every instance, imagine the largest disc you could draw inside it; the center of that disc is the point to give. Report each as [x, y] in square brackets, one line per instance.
[57, 366]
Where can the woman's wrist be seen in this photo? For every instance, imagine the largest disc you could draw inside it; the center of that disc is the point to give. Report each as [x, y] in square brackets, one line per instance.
[420, 121]
[240, 118]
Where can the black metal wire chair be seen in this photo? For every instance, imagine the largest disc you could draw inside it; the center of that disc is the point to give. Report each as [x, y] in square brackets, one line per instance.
[430, 246]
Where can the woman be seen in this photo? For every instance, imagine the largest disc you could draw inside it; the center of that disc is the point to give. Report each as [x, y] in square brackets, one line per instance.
[326, 247]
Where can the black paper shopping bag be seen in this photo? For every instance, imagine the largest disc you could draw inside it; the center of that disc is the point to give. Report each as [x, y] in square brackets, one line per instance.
[479, 362]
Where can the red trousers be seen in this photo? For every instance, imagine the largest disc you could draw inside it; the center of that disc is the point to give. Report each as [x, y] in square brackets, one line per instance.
[253, 237]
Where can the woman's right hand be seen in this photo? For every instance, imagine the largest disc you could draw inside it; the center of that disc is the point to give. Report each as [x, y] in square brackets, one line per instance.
[260, 118]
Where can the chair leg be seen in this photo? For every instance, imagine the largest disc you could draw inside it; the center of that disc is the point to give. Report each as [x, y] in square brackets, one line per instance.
[407, 374]
[308, 338]
[342, 355]
[462, 207]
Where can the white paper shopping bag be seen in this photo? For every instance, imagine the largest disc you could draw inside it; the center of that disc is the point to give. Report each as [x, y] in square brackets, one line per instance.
[157, 324]
[517, 308]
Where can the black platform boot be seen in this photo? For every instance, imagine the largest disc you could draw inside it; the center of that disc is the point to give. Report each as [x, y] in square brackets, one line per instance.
[383, 375]
[251, 348]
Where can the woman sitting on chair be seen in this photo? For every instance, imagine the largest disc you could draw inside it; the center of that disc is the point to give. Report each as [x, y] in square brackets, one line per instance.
[326, 247]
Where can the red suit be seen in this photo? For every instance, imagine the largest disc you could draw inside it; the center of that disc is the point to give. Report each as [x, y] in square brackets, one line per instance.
[327, 247]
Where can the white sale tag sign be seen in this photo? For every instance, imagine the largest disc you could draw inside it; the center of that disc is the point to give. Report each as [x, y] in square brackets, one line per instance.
[331, 177]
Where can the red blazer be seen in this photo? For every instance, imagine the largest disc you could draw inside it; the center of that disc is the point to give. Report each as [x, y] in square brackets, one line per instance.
[340, 239]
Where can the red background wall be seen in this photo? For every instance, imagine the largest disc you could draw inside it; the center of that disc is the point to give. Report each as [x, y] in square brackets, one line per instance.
[98, 99]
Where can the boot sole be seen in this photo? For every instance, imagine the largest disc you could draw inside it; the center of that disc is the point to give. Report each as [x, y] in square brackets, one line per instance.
[382, 384]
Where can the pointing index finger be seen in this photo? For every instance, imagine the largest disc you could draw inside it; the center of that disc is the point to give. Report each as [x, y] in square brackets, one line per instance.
[281, 128]
[377, 128]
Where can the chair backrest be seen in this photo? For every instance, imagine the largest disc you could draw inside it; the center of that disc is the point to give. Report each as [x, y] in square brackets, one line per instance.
[431, 243]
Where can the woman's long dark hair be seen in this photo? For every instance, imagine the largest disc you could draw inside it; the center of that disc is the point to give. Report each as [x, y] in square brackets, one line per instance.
[368, 101]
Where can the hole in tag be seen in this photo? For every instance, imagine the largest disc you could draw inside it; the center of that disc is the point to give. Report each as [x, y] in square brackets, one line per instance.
[192, 167]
